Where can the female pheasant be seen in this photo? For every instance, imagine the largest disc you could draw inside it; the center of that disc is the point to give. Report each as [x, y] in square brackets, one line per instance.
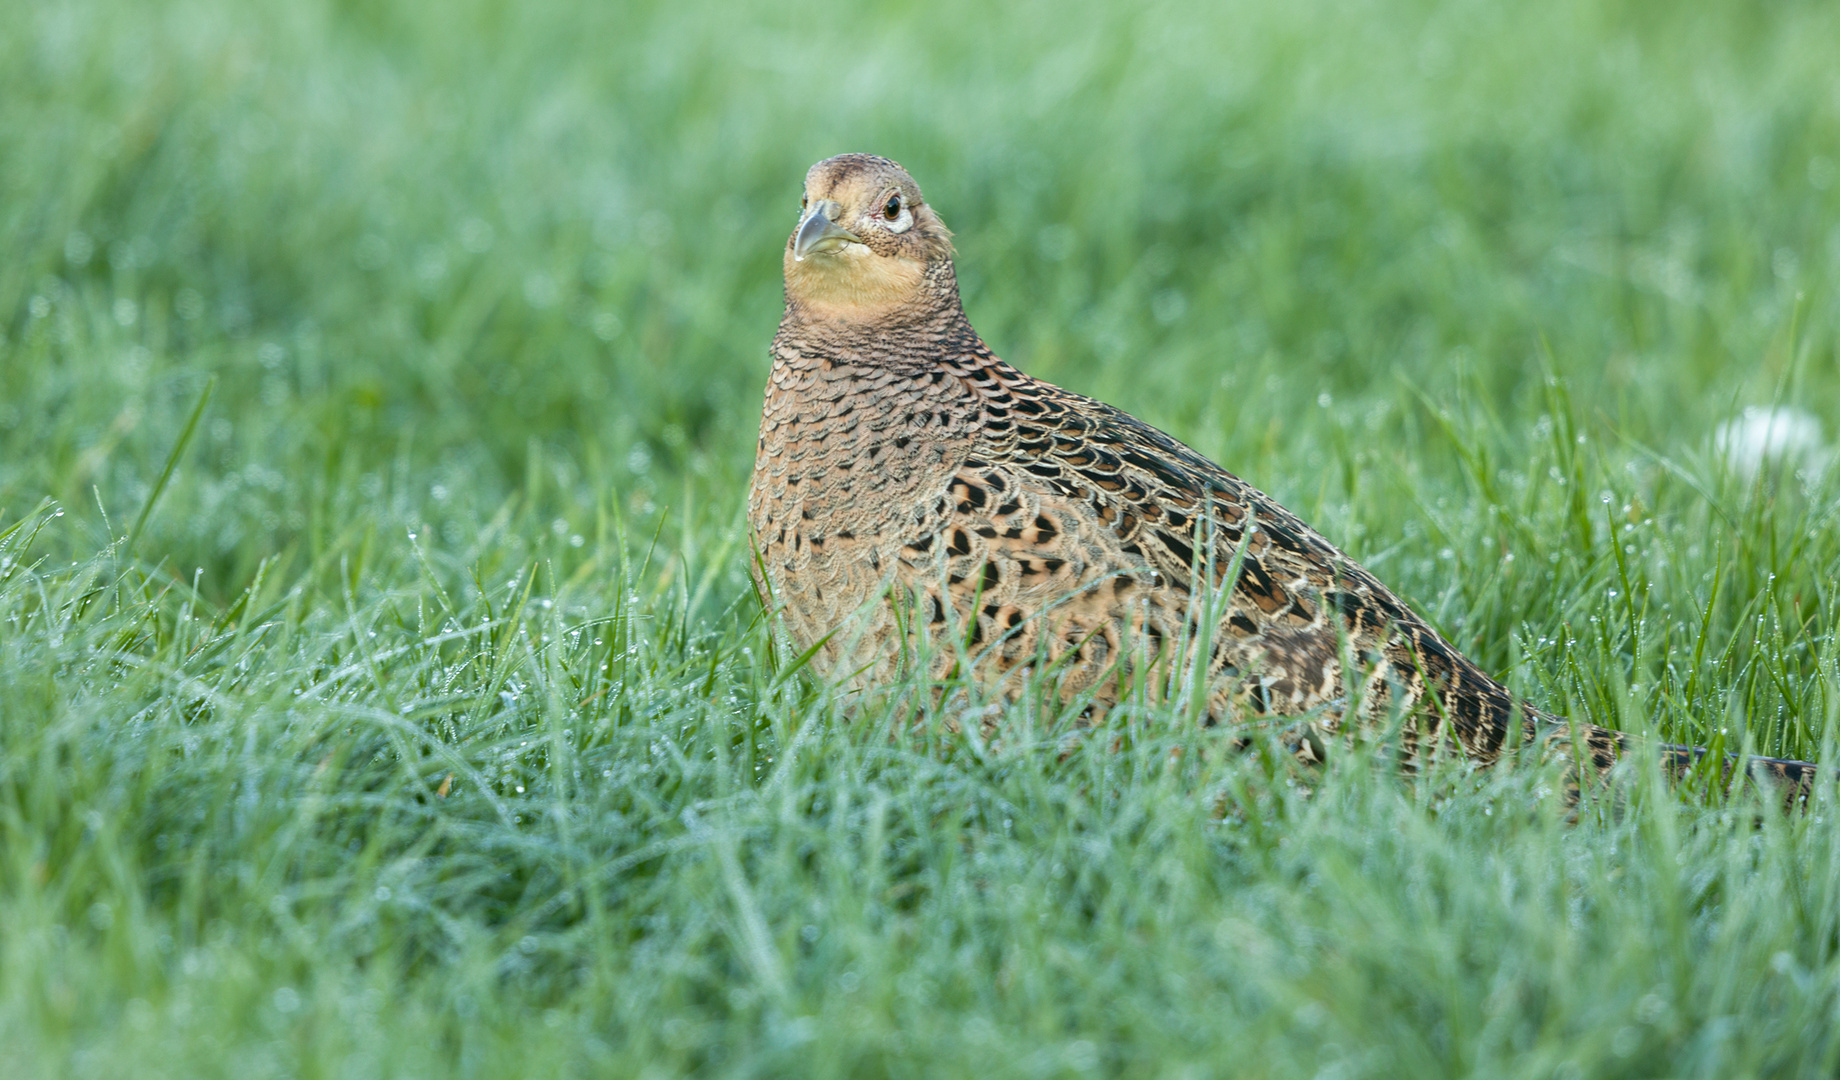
[918, 503]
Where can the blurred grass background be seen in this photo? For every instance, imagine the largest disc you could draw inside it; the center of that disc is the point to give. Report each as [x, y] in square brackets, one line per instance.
[425, 725]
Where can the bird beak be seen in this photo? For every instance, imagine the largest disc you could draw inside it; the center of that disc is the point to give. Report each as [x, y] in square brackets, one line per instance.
[818, 232]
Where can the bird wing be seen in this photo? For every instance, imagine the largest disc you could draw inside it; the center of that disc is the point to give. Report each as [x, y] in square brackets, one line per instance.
[1146, 531]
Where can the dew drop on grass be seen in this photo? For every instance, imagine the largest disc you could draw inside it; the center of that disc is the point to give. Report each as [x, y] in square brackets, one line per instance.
[78, 248]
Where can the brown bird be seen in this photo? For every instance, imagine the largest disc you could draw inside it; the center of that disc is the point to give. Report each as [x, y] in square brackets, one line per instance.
[918, 505]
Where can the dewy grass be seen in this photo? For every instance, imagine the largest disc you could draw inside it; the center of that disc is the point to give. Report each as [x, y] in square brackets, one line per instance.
[419, 720]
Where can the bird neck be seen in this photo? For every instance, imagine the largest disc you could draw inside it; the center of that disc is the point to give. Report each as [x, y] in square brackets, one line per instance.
[902, 335]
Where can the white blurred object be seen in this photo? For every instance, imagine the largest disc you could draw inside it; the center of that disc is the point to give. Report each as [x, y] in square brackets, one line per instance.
[1762, 436]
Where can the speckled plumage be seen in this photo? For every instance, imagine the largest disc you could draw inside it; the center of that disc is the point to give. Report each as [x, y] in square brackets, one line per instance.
[916, 497]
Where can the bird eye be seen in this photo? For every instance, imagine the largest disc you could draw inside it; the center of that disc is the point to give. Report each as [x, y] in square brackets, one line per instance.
[893, 209]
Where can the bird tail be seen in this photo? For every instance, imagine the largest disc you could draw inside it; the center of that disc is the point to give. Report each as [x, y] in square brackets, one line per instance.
[1794, 779]
[1597, 751]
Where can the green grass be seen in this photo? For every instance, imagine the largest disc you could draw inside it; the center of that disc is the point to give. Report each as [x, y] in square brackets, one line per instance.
[420, 721]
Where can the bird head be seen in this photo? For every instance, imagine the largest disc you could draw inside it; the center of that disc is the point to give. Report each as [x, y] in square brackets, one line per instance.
[867, 245]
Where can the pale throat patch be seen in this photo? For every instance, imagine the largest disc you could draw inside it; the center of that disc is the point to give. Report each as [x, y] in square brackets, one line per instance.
[853, 282]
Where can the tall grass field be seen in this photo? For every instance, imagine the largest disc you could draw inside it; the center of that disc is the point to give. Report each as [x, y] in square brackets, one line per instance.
[381, 689]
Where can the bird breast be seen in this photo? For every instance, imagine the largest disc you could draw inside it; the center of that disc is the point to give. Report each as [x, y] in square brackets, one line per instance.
[853, 462]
